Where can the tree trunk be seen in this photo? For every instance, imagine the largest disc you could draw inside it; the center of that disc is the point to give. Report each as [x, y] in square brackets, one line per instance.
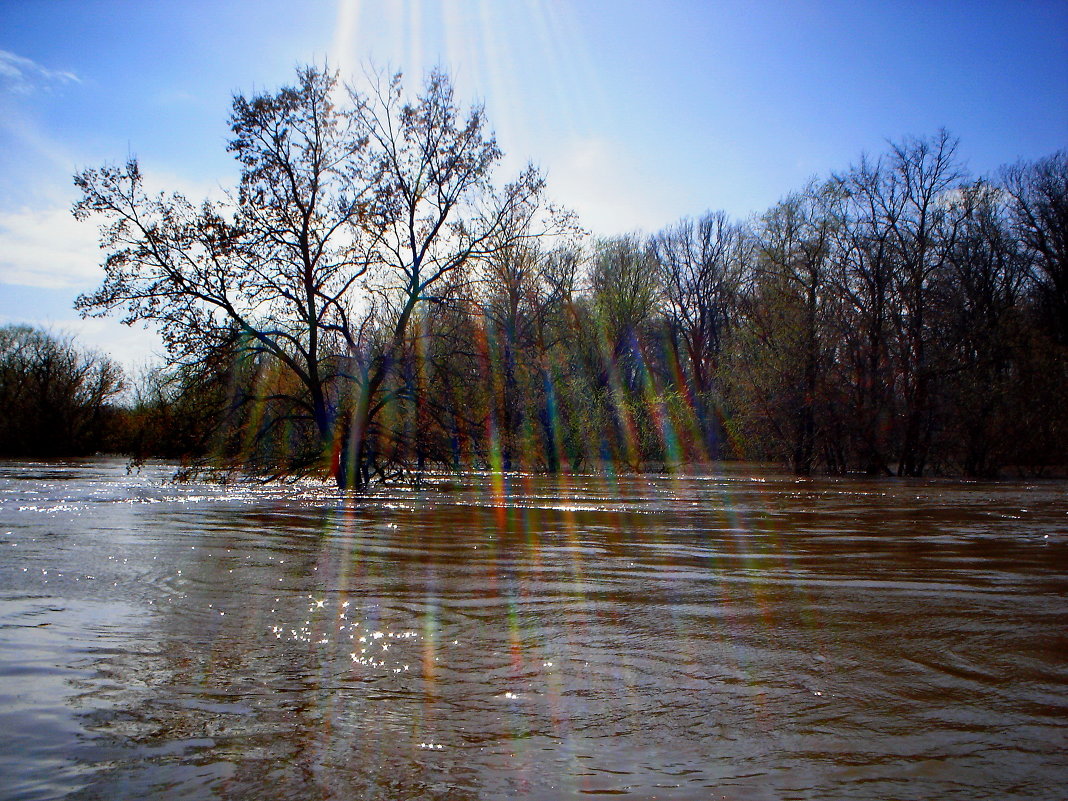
[352, 470]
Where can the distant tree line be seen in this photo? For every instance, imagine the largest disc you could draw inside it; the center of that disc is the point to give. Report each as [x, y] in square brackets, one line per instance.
[903, 317]
[369, 303]
[56, 399]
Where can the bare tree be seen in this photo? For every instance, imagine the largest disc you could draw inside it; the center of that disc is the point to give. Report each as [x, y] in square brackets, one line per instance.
[922, 184]
[345, 218]
[518, 289]
[783, 347]
[1038, 203]
[55, 395]
[865, 264]
[625, 293]
[700, 267]
[982, 331]
[270, 267]
[795, 242]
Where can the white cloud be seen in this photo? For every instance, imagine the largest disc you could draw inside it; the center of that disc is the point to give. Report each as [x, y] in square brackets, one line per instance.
[132, 346]
[196, 190]
[24, 76]
[42, 245]
[47, 247]
[608, 188]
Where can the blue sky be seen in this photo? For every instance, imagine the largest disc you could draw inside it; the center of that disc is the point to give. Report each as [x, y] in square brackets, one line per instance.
[639, 112]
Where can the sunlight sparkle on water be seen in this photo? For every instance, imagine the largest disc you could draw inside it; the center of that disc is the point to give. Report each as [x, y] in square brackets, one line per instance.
[656, 627]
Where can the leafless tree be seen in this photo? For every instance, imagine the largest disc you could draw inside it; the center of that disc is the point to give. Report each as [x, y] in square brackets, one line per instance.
[1038, 203]
[346, 216]
[700, 266]
[793, 275]
[55, 395]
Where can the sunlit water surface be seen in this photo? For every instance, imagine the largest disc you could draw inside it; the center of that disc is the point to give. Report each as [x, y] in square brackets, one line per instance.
[740, 635]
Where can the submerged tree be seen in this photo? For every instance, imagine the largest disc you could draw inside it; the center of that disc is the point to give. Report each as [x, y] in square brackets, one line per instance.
[348, 213]
[983, 328]
[925, 175]
[1038, 204]
[700, 267]
[368, 300]
[787, 327]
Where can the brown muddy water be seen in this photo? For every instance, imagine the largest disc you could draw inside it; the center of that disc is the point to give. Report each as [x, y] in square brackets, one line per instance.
[738, 635]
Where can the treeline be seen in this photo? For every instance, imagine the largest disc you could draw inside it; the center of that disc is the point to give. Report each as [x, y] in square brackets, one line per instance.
[901, 317]
[898, 318]
[56, 399]
[369, 301]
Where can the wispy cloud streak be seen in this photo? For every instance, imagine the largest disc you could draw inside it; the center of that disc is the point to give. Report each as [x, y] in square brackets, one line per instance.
[20, 75]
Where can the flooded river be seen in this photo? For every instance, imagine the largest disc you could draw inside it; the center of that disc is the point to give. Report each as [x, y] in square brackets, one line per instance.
[738, 635]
